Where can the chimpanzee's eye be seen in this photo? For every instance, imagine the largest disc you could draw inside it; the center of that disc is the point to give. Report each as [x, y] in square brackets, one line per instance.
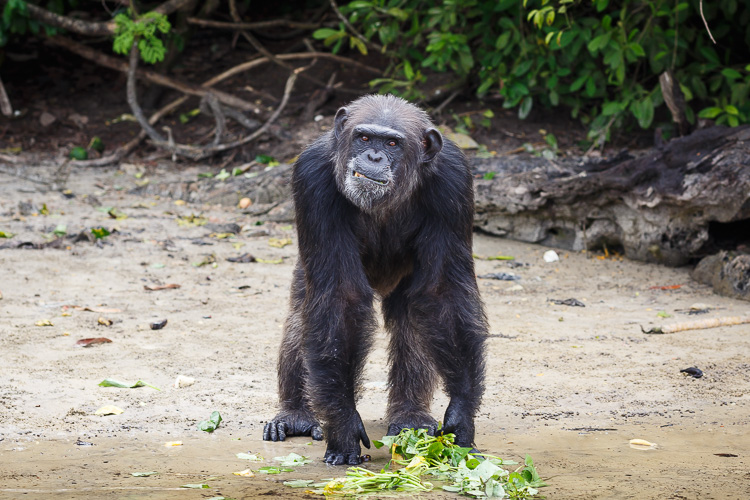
[365, 138]
[392, 143]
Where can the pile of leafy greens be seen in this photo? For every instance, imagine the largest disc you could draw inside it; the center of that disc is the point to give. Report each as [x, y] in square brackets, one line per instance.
[415, 454]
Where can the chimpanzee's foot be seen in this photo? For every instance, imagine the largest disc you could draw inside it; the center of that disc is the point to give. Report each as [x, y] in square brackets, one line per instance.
[292, 423]
[343, 442]
[413, 420]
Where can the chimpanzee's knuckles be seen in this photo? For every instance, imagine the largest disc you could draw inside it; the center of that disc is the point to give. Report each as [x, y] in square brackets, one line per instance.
[317, 433]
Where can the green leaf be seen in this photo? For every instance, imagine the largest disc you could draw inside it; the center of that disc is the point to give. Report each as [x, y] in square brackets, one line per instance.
[223, 174]
[292, 460]
[355, 42]
[525, 108]
[211, 424]
[110, 382]
[502, 40]
[323, 33]
[299, 483]
[79, 153]
[731, 74]
[248, 456]
[99, 233]
[143, 474]
[710, 113]
[489, 176]
[199, 486]
[731, 110]
[96, 144]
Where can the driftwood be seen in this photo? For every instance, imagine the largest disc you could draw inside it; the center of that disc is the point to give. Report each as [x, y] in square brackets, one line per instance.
[663, 206]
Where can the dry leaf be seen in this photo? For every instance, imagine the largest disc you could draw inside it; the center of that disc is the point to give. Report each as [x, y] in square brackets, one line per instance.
[244, 473]
[173, 443]
[93, 341]
[108, 410]
[161, 287]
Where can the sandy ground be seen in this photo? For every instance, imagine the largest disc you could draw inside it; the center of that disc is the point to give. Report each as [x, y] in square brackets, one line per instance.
[568, 385]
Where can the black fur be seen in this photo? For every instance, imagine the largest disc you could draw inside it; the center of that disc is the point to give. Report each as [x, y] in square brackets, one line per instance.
[409, 243]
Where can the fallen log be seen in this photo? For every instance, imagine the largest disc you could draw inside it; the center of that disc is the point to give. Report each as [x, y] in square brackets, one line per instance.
[671, 205]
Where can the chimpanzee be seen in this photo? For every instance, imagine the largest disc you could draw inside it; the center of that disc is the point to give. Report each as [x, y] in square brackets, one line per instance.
[384, 205]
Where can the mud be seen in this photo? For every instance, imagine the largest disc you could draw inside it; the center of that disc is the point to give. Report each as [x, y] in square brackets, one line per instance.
[568, 385]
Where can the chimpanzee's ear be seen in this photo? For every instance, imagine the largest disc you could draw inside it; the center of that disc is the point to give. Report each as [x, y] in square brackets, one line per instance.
[432, 142]
[338, 123]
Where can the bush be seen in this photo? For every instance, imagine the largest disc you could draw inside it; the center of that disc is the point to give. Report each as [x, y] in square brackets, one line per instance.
[599, 59]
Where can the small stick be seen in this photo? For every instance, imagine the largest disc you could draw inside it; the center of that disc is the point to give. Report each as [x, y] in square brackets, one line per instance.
[700, 324]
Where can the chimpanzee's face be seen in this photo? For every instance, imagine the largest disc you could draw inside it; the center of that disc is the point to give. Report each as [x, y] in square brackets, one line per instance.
[376, 155]
[381, 152]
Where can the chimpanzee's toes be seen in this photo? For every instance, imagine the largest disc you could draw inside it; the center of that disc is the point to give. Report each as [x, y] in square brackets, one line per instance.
[420, 421]
[333, 458]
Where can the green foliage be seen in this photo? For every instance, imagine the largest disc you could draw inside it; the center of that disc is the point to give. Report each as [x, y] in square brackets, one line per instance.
[599, 59]
[145, 30]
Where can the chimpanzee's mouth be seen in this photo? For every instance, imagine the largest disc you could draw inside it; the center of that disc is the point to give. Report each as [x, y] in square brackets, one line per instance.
[363, 176]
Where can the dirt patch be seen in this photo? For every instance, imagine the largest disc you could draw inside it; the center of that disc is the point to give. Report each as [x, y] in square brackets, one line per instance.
[569, 385]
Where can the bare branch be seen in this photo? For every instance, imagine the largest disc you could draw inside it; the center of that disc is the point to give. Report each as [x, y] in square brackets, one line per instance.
[199, 153]
[5, 106]
[706, 22]
[152, 76]
[68, 23]
[133, 100]
[251, 26]
[87, 27]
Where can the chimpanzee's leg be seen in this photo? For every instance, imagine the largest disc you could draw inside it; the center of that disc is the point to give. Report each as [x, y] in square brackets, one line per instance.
[338, 336]
[296, 417]
[412, 374]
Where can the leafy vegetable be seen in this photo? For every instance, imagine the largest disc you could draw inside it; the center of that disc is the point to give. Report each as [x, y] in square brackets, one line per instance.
[211, 424]
[415, 454]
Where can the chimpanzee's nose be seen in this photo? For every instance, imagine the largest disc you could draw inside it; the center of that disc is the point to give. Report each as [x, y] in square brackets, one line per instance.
[374, 156]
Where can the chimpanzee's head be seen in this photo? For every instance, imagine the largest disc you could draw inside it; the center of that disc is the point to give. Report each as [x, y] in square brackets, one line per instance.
[383, 144]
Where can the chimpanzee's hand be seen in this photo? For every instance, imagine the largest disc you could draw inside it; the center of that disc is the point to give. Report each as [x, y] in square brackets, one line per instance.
[459, 422]
[343, 443]
[292, 423]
